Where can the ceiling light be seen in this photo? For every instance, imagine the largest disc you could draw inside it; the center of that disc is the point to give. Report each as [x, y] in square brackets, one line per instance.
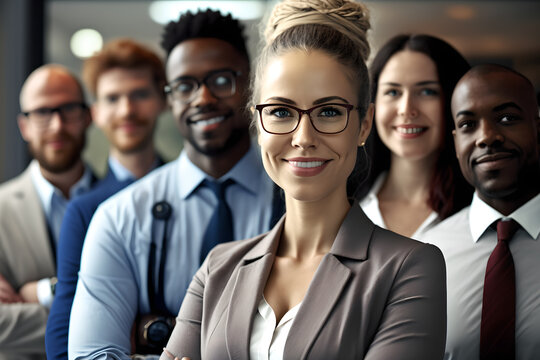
[163, 12]
[85, 42]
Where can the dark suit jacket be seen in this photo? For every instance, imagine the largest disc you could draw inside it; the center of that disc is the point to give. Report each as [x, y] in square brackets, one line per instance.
[376, 295]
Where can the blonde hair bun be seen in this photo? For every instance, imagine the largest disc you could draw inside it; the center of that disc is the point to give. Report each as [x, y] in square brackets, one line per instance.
[348, 17]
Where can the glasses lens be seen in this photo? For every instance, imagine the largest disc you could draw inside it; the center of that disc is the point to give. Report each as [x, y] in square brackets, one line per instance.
[279, 119]
[221, 84]
[40, 117]
[71, 112]
[185, 88]
[329, 118]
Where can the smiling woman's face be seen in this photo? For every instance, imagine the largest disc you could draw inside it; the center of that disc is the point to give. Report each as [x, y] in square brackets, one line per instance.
[308, 165]
[409, 106]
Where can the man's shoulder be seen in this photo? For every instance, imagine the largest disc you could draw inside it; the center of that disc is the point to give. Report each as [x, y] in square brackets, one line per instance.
[18, 184]
[159, 185]
[450, 229]
[104, 189]
[17, 190]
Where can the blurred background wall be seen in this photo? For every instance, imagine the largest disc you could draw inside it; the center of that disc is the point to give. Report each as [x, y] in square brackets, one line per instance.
[33, 32]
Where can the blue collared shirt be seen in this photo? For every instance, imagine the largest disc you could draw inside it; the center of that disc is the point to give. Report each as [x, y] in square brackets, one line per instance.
[112, 285]
[53, 201]
[120, 172]
[54, 206]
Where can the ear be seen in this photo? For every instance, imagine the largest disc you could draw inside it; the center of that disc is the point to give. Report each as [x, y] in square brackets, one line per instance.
[164, 104]
[87, 117]
[94, 113]
[365, 127]
[454, 135]
[23, 126]
[254, 123]
[259, 132]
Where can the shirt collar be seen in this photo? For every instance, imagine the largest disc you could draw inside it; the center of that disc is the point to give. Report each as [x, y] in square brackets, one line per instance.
[46, 190]
[481, 216]
[121, 173]
[527, 216]
[247, 173]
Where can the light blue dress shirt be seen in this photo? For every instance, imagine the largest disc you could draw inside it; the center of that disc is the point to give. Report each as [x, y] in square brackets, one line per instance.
[53, 201]
[112, 286]
[121, 173]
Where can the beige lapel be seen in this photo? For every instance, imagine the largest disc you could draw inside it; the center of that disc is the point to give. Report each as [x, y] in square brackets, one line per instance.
[352, 241]
[246, 294]
[32, 222]
[331, 277]
[329, 281]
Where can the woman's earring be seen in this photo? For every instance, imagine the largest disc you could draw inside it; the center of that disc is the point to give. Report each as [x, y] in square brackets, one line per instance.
[363, 143]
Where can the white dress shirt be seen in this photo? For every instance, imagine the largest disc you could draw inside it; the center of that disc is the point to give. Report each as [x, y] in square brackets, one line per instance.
[267, 339]
[370, 205]
[467, 240]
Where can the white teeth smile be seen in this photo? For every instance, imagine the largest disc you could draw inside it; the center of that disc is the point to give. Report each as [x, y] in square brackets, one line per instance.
[409, 130]
[306, 164]
[208, 122]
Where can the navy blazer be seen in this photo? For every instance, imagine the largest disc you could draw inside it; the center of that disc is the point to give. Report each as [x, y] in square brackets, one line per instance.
[78, 214]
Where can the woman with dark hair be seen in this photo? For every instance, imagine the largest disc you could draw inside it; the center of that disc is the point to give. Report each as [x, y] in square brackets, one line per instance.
[414, 181]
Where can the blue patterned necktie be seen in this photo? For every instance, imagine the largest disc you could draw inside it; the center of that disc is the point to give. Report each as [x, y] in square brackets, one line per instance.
[220, 227]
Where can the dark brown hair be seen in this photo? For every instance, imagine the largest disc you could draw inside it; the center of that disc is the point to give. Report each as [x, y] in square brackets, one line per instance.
[449, 192]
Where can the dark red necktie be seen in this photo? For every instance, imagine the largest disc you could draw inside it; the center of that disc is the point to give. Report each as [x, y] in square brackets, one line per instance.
[497, 331]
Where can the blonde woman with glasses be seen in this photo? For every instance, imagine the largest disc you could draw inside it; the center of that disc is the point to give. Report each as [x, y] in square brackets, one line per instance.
[324, 283]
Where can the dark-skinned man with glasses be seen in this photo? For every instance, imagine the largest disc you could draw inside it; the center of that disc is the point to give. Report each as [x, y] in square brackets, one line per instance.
[53, 121]
[145, 243]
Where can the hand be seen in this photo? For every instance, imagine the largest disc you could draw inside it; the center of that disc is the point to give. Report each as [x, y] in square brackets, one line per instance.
[172, 357]
[8, 295]
[28, 292]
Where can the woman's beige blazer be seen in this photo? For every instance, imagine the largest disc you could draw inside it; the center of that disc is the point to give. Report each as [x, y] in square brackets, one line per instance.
[375, 295]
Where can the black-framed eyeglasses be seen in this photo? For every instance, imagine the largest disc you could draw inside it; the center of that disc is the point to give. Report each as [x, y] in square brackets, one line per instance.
[283, 119]
[69, 113]
[220, 83]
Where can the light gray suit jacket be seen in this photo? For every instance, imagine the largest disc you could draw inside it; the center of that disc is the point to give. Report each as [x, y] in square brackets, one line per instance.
[376, 295]
[25, 255]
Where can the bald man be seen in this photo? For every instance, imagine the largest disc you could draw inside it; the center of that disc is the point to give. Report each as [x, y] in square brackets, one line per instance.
[492, 272]
[53, 121]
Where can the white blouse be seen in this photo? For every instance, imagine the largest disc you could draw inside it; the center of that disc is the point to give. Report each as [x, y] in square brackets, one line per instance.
[267, 339]
[370, 205]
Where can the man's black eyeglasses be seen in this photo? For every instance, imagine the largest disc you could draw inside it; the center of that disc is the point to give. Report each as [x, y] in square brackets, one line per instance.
[220, 83]
[69, 113]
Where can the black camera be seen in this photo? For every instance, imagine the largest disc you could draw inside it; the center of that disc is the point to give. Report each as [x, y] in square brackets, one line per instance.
[153, 333]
